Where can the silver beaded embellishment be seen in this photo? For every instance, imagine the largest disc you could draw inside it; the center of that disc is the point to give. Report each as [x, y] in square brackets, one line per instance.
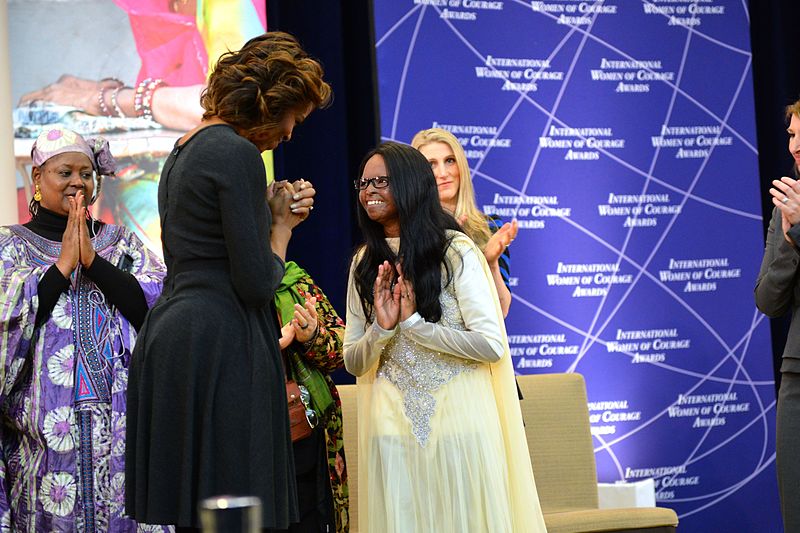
[418, 372]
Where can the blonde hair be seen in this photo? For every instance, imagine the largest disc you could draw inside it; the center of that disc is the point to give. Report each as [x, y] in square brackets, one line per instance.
[792, 109]
[475, 225]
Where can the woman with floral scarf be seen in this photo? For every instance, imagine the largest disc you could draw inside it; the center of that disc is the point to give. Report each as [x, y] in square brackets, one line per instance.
[311, 341]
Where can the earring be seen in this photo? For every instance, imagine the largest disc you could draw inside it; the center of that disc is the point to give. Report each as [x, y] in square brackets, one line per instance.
[37, 195]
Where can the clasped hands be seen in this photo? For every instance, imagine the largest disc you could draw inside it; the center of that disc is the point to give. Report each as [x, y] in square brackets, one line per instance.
[290, 203]
[76, 245]
[786, 197]
[394, 298]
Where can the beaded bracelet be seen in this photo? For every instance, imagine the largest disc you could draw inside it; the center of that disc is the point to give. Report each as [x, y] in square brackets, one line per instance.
[117, 109]
[143, 97]
[101, 99]
[101, 94]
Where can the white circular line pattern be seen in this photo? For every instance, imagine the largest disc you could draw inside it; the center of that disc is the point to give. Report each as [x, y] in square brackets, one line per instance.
[593, 335]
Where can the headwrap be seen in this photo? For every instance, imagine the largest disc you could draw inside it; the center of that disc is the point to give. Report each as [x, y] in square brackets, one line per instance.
[60, 140]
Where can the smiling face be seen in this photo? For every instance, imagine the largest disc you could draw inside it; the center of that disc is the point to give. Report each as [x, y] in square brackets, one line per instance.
[794, 139]
[379, 203]
[269, 139]
[445, 168]
[60, 177]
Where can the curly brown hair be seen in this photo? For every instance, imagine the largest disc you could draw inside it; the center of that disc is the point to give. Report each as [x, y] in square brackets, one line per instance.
[792, 109]
[271, 75]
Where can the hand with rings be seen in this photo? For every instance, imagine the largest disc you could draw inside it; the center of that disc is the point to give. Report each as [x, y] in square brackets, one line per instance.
[290, 203]
[408, 302]
[786, 198]
[304, 198]
[304, 322]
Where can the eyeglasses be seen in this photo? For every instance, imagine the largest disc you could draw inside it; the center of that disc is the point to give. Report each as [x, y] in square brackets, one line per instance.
[379, 182]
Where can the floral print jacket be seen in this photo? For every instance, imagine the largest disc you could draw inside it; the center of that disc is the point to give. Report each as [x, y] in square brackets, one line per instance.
[63, 386]
[326, 354]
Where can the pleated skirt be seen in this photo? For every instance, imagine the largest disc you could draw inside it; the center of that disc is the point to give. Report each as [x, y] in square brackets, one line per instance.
[207, 408]
[456, 482]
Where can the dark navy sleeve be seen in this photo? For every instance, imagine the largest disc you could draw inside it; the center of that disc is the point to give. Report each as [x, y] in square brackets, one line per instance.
[504, 261]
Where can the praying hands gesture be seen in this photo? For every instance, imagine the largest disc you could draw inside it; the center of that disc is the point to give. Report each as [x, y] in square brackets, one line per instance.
[394, 298]
[408, 302]
[786, 198]
[290, 204]
[76, 245]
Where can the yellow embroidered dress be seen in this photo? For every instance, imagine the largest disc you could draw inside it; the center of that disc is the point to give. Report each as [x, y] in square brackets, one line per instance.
[441, 442]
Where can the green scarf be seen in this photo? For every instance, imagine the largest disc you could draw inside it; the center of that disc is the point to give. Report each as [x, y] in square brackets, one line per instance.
[300, 369]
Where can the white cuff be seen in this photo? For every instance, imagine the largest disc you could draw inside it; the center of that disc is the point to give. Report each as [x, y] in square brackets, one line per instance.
[410, 321]
[382, 333]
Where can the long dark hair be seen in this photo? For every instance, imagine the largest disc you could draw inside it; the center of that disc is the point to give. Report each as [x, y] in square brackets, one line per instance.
[423, 241]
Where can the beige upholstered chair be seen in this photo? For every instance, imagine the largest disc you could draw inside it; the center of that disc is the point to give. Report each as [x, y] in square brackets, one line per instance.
[557, 428]
[347, 393]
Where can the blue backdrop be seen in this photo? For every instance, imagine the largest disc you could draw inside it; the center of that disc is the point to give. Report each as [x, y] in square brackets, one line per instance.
[621, 135]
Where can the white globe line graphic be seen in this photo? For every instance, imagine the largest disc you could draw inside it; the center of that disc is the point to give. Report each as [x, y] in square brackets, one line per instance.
[664, 366]
[668, 83]
[397, 24]
[591, 336]
[621, 301]
[700, 34]
[405, 71]
[612, 48]
[661, 239]
[639, 268]
[653, 178]
[656, 153]
[758, 318]
[762, 417]
[550, 115]
[724, 123]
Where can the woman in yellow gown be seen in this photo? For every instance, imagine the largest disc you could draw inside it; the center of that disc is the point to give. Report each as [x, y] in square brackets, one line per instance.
[441, 442]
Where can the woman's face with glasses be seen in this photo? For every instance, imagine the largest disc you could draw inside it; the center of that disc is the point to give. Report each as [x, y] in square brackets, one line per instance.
[375, 196]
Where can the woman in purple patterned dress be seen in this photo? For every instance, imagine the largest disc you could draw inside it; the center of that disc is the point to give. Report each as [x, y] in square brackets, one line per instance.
[73, 293]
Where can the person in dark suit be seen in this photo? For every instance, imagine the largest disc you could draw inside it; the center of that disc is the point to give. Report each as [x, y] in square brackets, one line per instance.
[778, 292]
